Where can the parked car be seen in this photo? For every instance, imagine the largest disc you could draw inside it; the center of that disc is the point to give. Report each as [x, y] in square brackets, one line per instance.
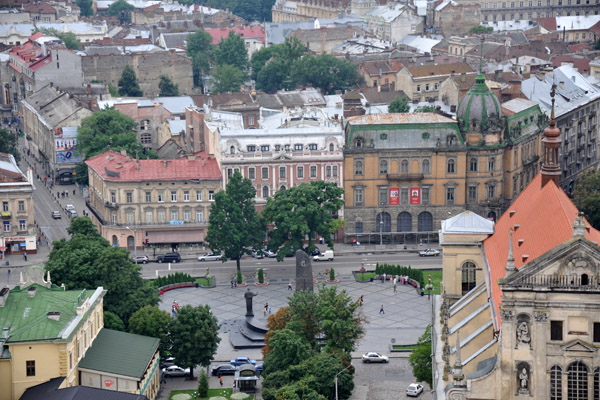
[69, 207]
[269, 253]
[169, 257]
[140, 259]
[326, 256]
[429, 253]
[174, 370]
[72, 213]
[315, 252]
[241, 360]
[414, 389]
[259, 369]
[167, 362]
[373, 357]
[258, 254]
[224, 369]
[209, 257]
[56, 215]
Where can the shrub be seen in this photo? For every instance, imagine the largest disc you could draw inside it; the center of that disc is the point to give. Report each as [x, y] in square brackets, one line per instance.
[331, 275]
[239, 277]
[261, 276]
[203, 385]
[177, 277]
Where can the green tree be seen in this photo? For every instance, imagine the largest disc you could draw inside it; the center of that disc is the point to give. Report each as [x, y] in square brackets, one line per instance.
[282, 56]
[121, 9]
[234, 227]
[260, 58]
[420, 358]
[425, 109]
[167, 87]
[339, 320]
[86, 7]
[113, 90]
[586, 197]
[227, 78]
[128, 84]
[399, 105]
[112, 321]
[203, 385]
[200, 49]
[325, 72]
[287, 348]
[9, 143]
[154, 322]
[477, 29]
[300, 211]
[87, 261]
[274, 76]
[232, 51]
[68, 38]
[194, 336]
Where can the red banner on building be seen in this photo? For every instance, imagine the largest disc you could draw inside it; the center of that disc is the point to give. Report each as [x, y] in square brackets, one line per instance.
[415, 196]
[394, 196]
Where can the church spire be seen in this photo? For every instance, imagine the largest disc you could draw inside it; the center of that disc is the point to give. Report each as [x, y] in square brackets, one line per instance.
[550, 146]
[510, 262]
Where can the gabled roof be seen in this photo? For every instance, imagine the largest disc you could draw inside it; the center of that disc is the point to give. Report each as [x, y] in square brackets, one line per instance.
[120, 353]
[115, 167]
[256, 32]
[440, 69]
[467, 222]
[50, 391]
[542, 218]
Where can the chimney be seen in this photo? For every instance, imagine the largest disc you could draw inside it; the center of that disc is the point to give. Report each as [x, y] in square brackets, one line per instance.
[89, 89]
[55, 315]
[123, 152]
[550, 146]
[463, 77]
[32, 291]
[165, 162]
[203, 162]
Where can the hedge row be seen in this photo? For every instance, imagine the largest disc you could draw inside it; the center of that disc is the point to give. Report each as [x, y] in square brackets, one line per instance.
[177, 277]
[391, 270]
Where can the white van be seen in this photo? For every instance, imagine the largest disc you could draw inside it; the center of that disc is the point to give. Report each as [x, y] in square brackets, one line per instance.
[327, 255]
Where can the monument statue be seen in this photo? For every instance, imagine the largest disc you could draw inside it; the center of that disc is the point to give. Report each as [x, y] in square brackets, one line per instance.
[304, 275]
[523, 333]
[524, 379]
[248, 296]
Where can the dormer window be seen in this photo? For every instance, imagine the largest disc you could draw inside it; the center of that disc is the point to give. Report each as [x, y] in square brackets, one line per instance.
[251, 148]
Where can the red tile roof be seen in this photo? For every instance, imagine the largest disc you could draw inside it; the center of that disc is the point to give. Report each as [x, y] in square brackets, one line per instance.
[582, 64]
[548, 23]
[543, 218]
[248, 32]
[41, 8]
[115, 167]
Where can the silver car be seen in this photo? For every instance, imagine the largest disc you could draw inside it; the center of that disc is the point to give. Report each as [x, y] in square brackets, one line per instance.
[209, 257]
[174, 370]
[373, 357]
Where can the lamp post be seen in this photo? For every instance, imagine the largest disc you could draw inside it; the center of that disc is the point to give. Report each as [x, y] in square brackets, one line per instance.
[381, 232]
[134, 243]
[336, 380]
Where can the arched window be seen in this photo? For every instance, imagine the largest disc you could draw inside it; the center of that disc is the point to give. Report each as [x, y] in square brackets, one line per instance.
[468, 277]
[425, 166]
[425, 223]
[330, 146]
[358, 227]
[473, 165]
[450, 168]
[585, 280]
[232, 150]
[404, 222]
[282, 187]
[384, 222]
[265, 192]
[492, 164]
[130, 242]
[383, 167]
[404, 166]
[358, 168]
[115, 241]
[555, 383]
[146, 138]
[597, 384]
[577, 381]
[492, 216]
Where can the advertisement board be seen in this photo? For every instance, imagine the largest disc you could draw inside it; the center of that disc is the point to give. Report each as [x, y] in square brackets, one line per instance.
[394, 196]
[415, 195]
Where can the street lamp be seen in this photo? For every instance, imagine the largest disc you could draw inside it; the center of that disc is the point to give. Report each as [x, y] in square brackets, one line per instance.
[381, 232]
[336, 380]
[134, 243]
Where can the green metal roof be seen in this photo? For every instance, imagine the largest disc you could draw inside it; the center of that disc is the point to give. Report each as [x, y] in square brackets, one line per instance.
[120, 353]
[25, 318]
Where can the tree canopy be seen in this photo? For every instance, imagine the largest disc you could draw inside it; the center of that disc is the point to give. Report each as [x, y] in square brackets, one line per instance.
[235, 227]
[420, 358]
[153, 322]
[86, 7]
[399, 105]
[250, 10]
[9, 143]
[227, 78]
[304, 210]
[200, 49]
[167, 87]
[232, 51]
[194, 336]
[68, 38]
[425, 109]
[128, 84]
[325, 72]
[586, 197]
[107, 128]
[87, 261]
[121, 9]
[481, 29]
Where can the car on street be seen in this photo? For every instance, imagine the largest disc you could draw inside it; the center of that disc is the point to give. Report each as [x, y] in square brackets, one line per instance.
[373, 357]
[72, 213]
[327, 255]
[56, 215]
[414, 389]
[209, 257]
[241, 360]
[140, 259]
[174, 370]
[269, 253]
[167, 362]
[169, 257]
[429, 253]
[224, 369]
[69, 207]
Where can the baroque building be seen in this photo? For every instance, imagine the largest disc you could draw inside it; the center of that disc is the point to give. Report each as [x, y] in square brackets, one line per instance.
[405, 173]
[520, 315]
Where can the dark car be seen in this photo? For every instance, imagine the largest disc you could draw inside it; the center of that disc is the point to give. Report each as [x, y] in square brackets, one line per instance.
[169, 257]
[240, 360]
[224, 369]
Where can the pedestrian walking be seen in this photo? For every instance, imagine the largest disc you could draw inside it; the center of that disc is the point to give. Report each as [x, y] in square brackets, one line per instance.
[269, 310]
[221, 380]
[395, 283]
[360, 300]
[381, 311]
[384, 278]
[67, 193]
[290, 286]
[232, 283]
[73, 192]
[265, 309]
[25, 256]
[8, 277]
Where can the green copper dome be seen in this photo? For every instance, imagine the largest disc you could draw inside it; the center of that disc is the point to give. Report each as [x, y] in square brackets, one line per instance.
[477, 105]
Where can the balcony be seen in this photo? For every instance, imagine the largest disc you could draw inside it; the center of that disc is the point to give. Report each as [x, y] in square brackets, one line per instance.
[405, 177]
[5, 214]
[114, 206]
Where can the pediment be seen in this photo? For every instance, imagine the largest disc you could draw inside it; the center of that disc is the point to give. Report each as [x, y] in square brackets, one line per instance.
[282, 156]
[578, 345]
[573, 264]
